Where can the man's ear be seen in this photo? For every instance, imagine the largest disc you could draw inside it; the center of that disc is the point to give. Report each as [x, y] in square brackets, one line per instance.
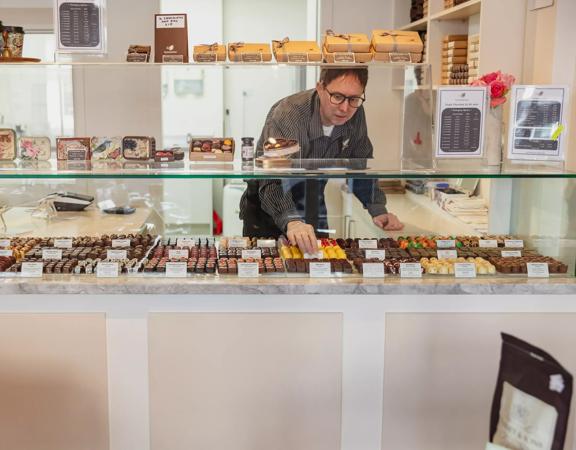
[319, 86]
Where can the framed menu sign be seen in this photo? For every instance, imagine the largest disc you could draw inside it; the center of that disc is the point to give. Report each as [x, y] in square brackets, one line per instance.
[537, 124]
[460, 121]
[80, 26]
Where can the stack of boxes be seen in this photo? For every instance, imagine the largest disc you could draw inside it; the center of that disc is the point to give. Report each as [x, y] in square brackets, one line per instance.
[416, 10]
[385, 42]
[473, 57]
[454, 58]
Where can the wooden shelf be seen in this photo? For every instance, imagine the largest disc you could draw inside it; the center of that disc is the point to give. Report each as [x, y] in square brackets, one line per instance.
[419, 25]
[462, 11]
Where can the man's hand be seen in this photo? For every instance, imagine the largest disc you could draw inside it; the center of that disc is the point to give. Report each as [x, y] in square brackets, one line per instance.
[388, 222]
[303, 236]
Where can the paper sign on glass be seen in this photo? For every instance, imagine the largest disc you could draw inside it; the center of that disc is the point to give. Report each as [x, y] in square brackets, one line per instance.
[373, 270]
[80, 26]
[538, 270]
[32, 269]
[320, 270]
[247, 270]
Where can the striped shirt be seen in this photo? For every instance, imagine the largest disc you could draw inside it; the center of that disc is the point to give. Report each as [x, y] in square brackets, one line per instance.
[298, 117]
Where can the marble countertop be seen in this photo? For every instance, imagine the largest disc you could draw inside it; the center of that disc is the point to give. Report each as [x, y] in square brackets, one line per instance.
[264, 285]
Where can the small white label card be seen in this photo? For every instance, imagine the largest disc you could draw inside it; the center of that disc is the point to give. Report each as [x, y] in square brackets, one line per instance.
[488, 243]
[373, 270]
[538, 270]
[6, 252]
[178, 253]
[376, 254]
[5, 243]
[256, 254]
[465, 270]
[368, 243]
[63, 243]
[107, 269]
[32, 269]
[237, 243]
[176, 270]
[186, 242]
[120, 243]
[51, 253]
[511, 253]
[265, 243]
[410, 270]
[317, 255]
[170, 21]
[320, 270]
[538, 128]
[116, 255]
[460, 124]
[447, 254]
[247, 270]
[513, 243]
[446, 243]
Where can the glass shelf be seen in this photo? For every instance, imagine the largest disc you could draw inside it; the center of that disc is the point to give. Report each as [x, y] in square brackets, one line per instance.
[225, 64]
[340, 168]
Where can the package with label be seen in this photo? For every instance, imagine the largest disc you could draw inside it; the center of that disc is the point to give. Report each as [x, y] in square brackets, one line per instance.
[385, 57]
[138, 148]
[7, 144]
[106, 148]
[139, 53]
[532, 399]
[296, 51]
[209, 52]
[73, 149]
[346, 43]
[171, 38]
[212, 149]
[35, 148]
[395, 41]
[246, 52]
[346, 57]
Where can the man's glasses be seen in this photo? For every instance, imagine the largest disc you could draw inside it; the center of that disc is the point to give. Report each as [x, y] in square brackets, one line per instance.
[336, 98]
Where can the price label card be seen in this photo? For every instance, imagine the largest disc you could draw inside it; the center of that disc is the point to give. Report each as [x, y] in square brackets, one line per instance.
[538, 270]
[368, 243]
[63, 243]
[186, 242]
[32, 269]
[256, 254]
[237, 243]
[488, 243]
[514, 243]
[177, 254]
[297, 57]
[511, 253]
[119, 243]
[320, 270]
[4, 243]
[447, 254]
[116, 254]
[6, 253]
[376, 254]
[107, 269]
[373, 270]
[465, 270]
[446, 243]
[317, 255]
[266, 243]
[247, 270]
[176, 270]
[410, 270]
[51, 253]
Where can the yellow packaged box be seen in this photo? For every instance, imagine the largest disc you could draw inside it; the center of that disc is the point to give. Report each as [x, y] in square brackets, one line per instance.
[454, 59]
[457, 44]
[347, 57]
[209, 52]
[456, 52]
[296, 51]
[394, 41]
[455, 37]
[346, 43]
[244, 52]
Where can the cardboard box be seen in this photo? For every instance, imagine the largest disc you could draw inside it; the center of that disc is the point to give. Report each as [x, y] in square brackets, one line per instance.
[474, 39]
[457, 52]
[296, 51]
[243, 52]
[344, 57]
[73, 149]
[394, 41]
[171, 38]
[385, 57]
[455, 37]
[211, 149]
[209, 52]
[346, 43]
[454, 59]
[457, 44]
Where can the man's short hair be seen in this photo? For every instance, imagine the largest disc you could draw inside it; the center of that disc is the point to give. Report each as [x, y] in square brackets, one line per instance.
[329, 75]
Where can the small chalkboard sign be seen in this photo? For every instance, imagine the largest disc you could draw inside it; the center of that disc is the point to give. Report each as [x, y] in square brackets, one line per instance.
[80, 26]
[460, 123]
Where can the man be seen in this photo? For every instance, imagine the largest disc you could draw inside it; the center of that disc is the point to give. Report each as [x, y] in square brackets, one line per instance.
[328, 122]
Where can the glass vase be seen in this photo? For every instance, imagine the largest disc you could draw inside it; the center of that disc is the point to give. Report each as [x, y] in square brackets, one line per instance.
[493, 136]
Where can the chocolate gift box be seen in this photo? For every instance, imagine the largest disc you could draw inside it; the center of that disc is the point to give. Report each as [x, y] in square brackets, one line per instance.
[73, 149]
[395, 41]
[346, 57]
[106, 148]
[7, 144]
[211, 149]
[209, 52]
[246, 52]
[296, 51]
[171, 38]
[35, 148]
[138, 148]
[346, 43]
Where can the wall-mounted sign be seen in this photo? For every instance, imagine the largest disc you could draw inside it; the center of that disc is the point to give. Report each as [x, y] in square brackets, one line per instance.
[80, 26]
[537, 125]
[460, 121]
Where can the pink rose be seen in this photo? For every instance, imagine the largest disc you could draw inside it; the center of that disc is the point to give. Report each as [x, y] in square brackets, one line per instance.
[508, 80]
[497, 89]
[490, 77]
[494, 102]
[478, 82]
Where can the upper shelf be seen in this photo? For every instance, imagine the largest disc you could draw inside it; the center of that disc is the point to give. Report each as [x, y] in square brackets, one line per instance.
[462, 11]
[341, 168]
[417, 25]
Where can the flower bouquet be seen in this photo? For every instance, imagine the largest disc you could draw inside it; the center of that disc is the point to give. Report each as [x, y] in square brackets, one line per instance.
[499, 84]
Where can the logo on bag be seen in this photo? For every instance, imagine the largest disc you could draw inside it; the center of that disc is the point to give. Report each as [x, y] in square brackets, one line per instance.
[556, 383]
